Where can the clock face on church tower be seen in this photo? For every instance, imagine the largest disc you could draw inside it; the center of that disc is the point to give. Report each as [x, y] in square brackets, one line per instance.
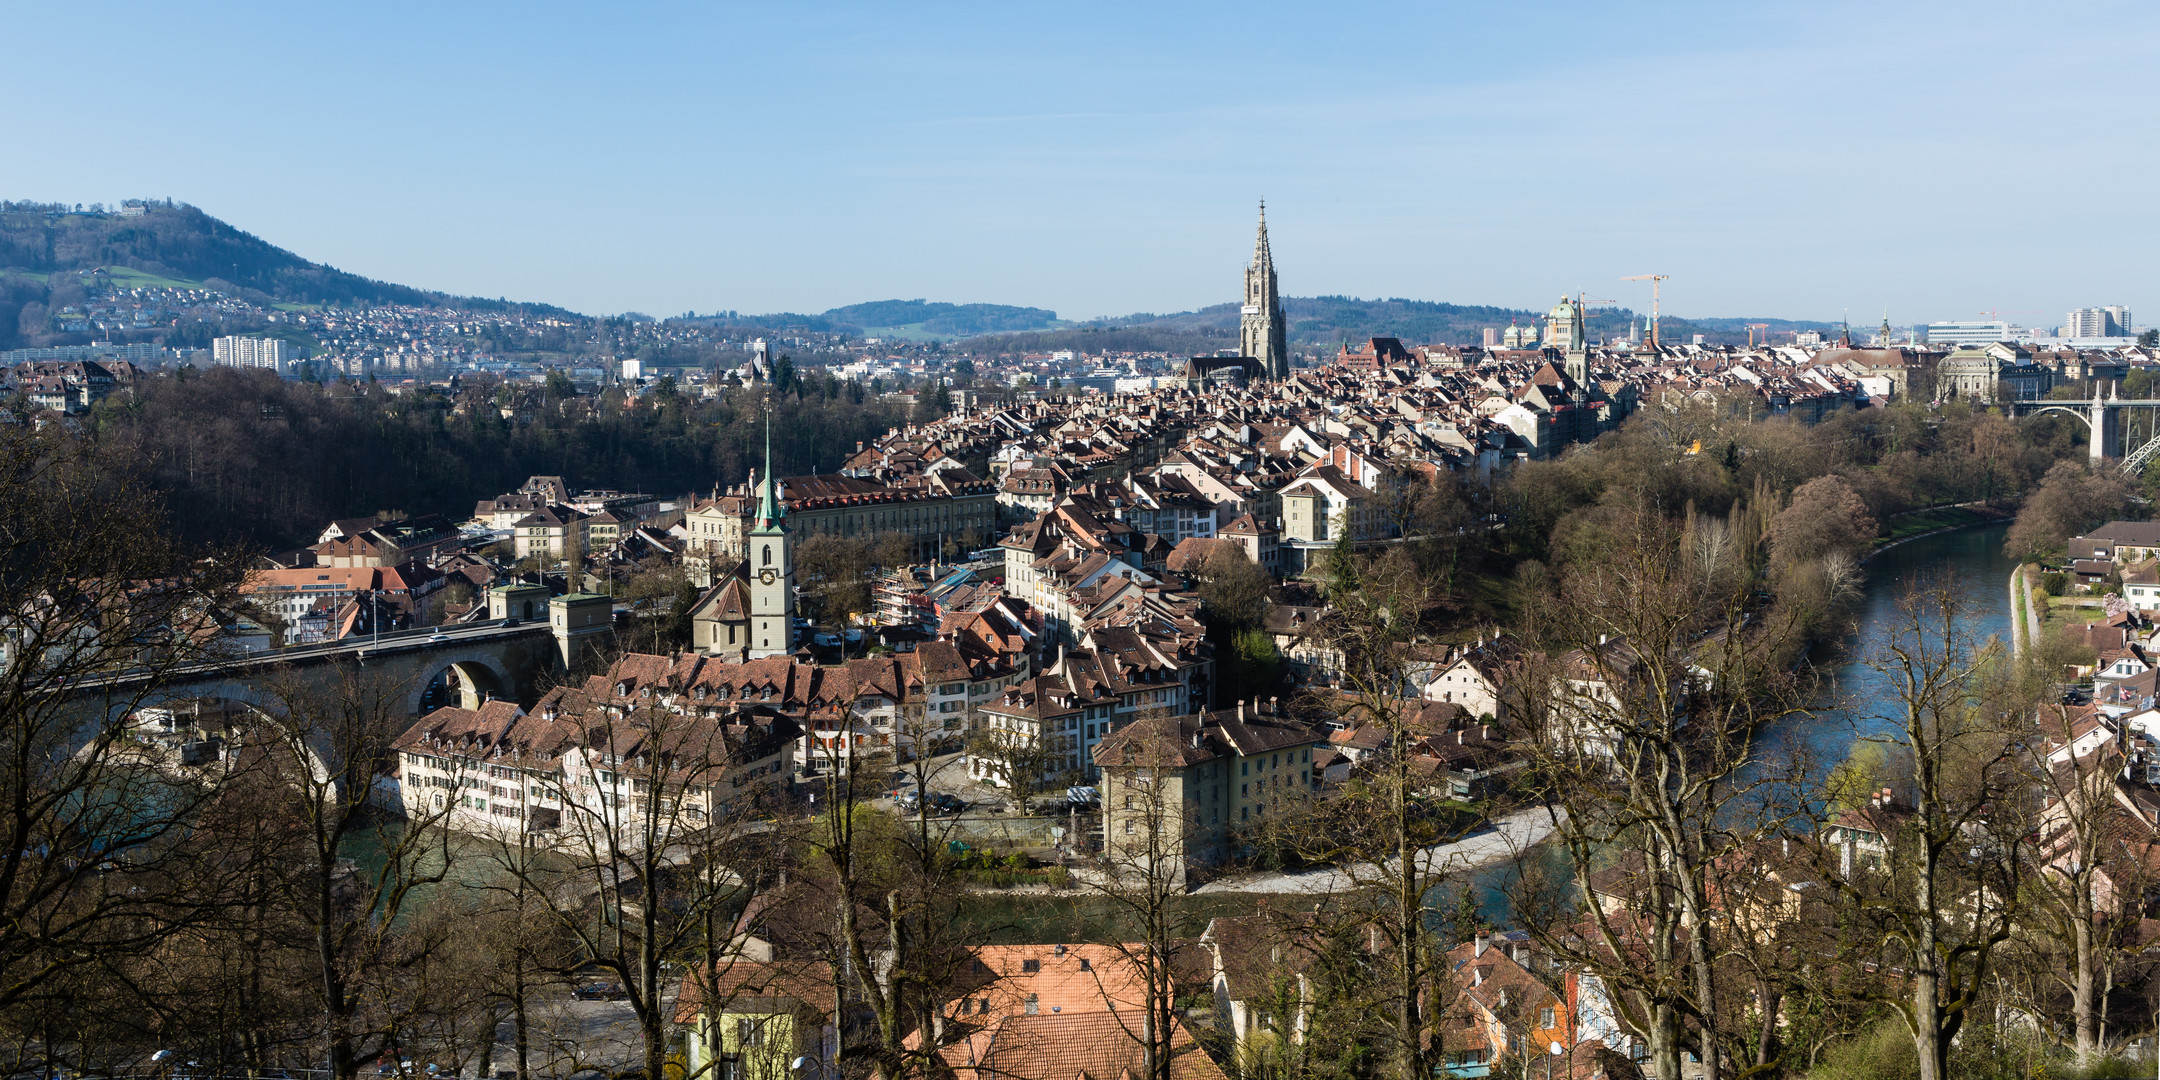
[767, 575]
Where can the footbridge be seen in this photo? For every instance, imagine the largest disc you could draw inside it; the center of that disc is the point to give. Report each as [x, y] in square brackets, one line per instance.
[2103, 418]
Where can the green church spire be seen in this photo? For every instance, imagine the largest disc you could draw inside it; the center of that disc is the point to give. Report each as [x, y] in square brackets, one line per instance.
[769, 510]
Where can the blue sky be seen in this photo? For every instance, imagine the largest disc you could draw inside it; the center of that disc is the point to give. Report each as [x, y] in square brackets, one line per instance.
[1799, 160]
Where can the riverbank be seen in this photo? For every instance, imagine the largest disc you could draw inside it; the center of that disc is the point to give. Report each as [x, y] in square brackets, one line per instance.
[1935, 521]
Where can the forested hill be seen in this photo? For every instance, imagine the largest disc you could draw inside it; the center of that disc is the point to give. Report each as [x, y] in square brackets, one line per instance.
[1323, 322]
[174, 243]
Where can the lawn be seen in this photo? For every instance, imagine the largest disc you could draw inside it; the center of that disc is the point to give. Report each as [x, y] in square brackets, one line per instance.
[127, 277]
[1941, 517]
[2069, 611]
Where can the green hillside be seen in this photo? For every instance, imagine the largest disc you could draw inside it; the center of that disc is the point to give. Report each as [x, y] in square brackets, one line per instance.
[44, 246]
[938, 319]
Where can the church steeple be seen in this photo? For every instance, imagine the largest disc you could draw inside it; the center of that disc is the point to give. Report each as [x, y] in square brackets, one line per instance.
[769, 510]
[1261, 324]
[772, 565]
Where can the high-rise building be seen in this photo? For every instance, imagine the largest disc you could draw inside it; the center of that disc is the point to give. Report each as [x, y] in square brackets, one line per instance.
[269, 353]
[2090, 322]
[1969, 332]
[1261, 326]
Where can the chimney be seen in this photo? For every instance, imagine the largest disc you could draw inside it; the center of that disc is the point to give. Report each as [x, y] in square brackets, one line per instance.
[1601, 639]
[1477, 946]
[1274, 706]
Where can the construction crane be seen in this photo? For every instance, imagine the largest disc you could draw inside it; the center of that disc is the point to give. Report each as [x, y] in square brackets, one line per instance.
[1754, 326]
[1654, 280]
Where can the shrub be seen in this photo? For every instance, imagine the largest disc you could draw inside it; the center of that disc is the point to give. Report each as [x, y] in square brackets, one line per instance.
[1883, 1052]
[2055, 582]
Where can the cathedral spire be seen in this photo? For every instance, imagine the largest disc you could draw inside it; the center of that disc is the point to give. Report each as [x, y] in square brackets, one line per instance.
[1261, 323]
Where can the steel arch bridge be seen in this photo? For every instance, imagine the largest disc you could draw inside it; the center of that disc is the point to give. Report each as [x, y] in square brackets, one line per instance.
[2102, 417]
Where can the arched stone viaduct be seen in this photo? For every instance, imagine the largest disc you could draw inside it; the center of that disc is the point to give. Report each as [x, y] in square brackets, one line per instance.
[477, 663]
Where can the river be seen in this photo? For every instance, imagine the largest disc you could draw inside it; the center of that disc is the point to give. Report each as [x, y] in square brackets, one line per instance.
[1856, 700]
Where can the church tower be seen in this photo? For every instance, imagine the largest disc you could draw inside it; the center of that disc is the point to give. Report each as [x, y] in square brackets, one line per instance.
[1564, 330]
[1261, 323]
[772, 568]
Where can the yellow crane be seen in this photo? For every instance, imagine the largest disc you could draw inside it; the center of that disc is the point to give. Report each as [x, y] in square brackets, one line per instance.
[1654, 280]
[1754, 326]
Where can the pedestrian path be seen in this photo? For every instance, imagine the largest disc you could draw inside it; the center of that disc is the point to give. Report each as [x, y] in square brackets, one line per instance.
[1504, 839]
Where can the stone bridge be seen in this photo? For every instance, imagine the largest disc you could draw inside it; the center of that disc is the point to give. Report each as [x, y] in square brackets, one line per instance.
[423, 669]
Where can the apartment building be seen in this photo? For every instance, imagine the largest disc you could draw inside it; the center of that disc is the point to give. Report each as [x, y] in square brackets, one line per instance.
[251, 352]
[1178, 790]
[599, 758]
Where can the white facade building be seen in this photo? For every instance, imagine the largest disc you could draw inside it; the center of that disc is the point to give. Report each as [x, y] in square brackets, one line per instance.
[249, 352]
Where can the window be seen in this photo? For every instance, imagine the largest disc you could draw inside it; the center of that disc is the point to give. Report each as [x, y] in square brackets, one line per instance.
[749, 1032]
[1086, 964]
[768, 555]
[1030, 967]
[1545, 1017]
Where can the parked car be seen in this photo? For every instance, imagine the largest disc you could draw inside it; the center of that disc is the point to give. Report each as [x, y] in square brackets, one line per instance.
[438, 637]
[908, 800]
[945, 802]
[827, 640]
[603, 991]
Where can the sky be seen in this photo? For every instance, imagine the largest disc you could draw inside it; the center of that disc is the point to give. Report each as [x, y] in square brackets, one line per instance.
[1794, 160]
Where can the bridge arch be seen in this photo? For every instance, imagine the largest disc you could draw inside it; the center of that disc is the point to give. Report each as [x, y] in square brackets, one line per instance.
[2066, 410]
[467, 682]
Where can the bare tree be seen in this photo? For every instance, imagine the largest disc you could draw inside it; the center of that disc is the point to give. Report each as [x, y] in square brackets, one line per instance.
[1386, 834]
[311, 761]
[2090, 868]
[1940, 895]
[1642, 739]
[656, 784]
[900, 943]
[98, 610]
[1151, 823]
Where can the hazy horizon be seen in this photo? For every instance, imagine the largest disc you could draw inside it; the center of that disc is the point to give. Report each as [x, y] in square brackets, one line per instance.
[1799, 161]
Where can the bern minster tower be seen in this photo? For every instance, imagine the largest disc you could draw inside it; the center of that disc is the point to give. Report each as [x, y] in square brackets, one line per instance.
[1260, 327]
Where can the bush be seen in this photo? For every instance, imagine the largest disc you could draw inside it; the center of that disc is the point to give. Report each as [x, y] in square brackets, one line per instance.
[2055, 582]
[1883, 1052]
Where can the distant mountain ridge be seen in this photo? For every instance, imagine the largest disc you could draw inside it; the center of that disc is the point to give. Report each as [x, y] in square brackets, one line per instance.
[42, 244]
[1315, 322]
